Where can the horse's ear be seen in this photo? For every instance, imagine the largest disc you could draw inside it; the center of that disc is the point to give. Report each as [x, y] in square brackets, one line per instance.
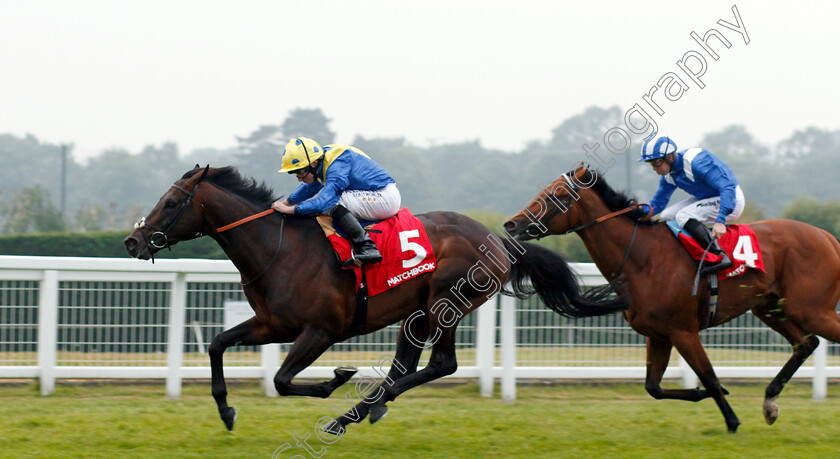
[196, 166]
[584, 176]
[204, 173]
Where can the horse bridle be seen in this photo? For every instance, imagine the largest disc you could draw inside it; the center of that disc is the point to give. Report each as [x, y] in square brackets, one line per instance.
[568, 203]
[154, 239]
[158, 239]
[543, 222]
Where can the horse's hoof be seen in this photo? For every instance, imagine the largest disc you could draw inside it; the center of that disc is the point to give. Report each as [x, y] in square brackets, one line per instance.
[771, 411]
[345, 372]
[229, 417]
[733, 428]
[378, 413]
[334, 428]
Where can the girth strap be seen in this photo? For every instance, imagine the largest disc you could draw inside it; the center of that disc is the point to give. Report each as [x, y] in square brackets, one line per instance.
[360, 315]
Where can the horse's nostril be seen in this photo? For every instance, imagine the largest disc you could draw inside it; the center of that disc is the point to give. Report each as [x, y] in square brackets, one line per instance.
[130, 243]
[509, 225]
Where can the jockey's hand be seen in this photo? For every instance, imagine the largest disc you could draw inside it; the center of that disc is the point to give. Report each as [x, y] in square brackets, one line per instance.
[283, 207]
[718, 230]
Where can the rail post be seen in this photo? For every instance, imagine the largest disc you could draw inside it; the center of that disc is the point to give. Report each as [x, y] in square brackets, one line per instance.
[485, 359]
[270, 358]
[175, 340]
[819, 384]
[508, 323]
[47, 330]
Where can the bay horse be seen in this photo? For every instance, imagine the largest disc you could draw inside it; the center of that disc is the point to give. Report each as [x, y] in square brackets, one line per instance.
[293, 281]
[796, 297]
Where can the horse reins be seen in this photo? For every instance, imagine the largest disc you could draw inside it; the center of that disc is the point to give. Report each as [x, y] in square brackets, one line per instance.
[603, 218]
[242, 221]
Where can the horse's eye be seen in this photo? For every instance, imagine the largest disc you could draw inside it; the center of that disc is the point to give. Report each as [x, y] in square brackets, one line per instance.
[170, 203]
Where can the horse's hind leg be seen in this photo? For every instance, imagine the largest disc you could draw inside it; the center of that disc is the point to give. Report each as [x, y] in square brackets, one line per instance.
[248, 333]
[689, 345]
[442, 362]
[803, 346]
[305, 350]
[406, 359]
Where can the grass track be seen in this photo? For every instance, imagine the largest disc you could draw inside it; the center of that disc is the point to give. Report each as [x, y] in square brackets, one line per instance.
[564, 420]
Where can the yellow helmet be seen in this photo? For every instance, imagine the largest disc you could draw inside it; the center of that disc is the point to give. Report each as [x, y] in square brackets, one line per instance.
[300, 152]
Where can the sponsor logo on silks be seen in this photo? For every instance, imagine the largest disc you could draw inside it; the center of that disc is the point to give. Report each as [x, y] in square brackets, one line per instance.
[737, 271]
[410, 273]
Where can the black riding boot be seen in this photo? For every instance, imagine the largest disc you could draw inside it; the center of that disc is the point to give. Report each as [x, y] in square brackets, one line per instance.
[702, 235]
[364, 249]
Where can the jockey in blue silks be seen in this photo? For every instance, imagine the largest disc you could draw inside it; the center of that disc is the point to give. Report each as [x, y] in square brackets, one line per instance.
[716, 197]
[343, 182]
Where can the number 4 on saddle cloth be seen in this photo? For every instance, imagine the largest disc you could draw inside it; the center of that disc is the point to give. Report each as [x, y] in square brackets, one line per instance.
[405, 247]
[739, 243]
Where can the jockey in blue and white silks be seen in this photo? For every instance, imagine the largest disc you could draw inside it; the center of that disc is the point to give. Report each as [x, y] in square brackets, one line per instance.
[343, 182]
[716, 197]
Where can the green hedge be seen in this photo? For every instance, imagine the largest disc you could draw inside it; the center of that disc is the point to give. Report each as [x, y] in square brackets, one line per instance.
[98, 244]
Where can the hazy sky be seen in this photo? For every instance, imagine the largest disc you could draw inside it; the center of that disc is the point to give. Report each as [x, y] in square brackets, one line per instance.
[104, 74]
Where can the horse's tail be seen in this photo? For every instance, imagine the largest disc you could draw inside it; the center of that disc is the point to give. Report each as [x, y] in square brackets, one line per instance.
[554, 281]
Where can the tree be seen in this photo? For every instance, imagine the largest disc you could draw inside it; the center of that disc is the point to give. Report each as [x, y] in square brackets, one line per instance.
[262, 150]
[588, 127]
[212, 156]
[806, 143]
[118, 181]
[825, 215]
[765, 185]
[90, 218]
[810, 157]
[26, 162]
[312, 123]
[31, 209]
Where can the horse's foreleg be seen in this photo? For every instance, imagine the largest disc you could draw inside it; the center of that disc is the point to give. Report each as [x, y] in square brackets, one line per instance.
[689, 345]
[803, 346]
[305, 350]
[247, 333]
[406, 359]
[658, 355]
[442, 363]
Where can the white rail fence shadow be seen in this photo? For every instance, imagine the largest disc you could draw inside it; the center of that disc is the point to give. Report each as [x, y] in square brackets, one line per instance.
[104, 318]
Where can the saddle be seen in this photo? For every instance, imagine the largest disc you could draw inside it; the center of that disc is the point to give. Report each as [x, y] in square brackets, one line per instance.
[404, 244]
[743, 249]
[739, 243]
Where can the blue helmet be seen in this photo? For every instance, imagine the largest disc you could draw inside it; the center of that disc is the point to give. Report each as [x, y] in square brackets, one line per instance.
[657, 147]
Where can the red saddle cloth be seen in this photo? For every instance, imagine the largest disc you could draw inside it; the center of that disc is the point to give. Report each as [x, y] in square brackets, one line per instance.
[739, 243]
[405, 247]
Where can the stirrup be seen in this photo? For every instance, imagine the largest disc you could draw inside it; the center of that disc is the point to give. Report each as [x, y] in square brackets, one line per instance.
[351, 262]
[723, 264]
[365, 260]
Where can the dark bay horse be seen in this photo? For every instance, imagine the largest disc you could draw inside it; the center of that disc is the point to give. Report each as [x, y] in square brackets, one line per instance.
[796, 296]
[294, 283]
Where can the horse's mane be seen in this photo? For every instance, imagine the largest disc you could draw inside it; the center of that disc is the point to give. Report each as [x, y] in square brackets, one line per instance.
[615, 200]
[231, 180]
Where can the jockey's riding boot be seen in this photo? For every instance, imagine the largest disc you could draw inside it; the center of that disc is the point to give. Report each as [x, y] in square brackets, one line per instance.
[702, 235]
[364, 249]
